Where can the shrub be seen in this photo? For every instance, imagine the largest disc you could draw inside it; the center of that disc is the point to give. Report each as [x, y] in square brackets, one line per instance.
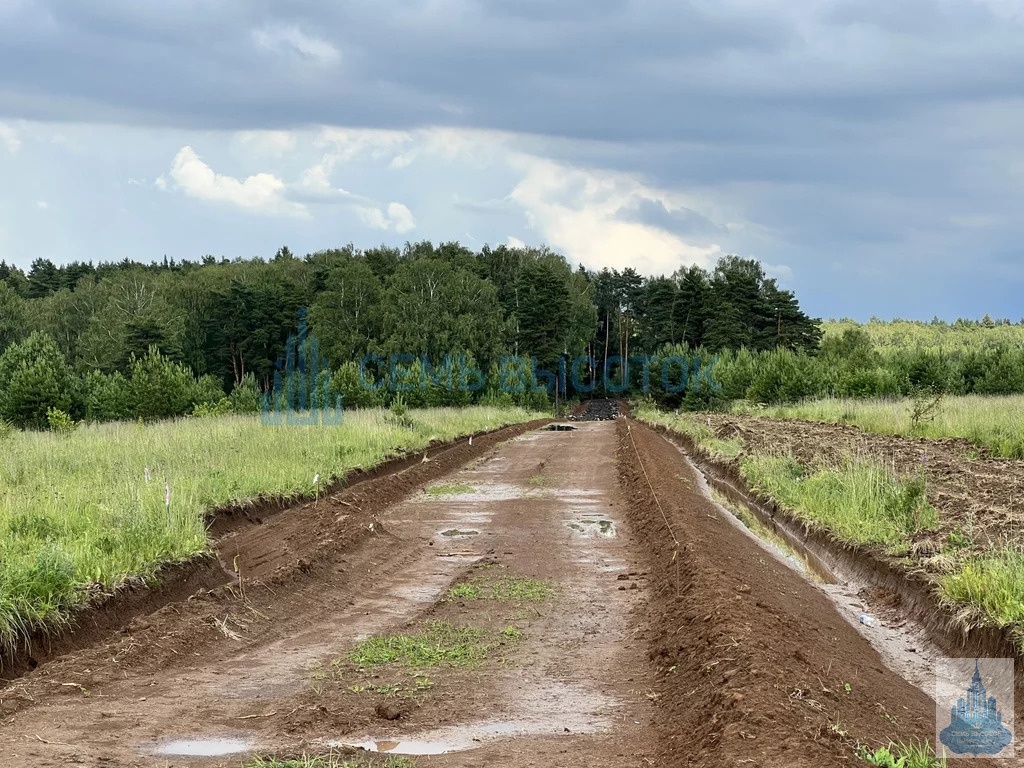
[60, 422]
[160, 388]
[33, 379]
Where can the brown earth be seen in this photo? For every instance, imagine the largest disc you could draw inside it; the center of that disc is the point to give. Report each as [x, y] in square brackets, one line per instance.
[669, 638]
[972, 492]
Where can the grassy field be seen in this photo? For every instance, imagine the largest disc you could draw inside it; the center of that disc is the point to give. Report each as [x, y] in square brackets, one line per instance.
[89, 508]
[996, 423]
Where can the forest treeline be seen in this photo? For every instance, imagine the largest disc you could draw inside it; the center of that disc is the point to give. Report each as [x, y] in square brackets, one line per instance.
[133, 340]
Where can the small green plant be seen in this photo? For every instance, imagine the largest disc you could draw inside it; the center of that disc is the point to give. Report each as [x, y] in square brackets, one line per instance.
[542, 481]
[924, 408]
[440, 645]
[506, 588]
[60, 422]
[511, 635]
[901, 755]
[6, 429]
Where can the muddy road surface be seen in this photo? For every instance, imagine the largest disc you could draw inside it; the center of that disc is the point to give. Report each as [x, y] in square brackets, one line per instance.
[539, 598]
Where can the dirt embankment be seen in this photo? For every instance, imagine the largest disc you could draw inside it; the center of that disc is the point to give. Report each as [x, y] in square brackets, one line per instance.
[754, 663]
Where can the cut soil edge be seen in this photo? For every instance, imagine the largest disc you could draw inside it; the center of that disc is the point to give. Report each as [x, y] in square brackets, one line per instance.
[111, 611]
[919, 597]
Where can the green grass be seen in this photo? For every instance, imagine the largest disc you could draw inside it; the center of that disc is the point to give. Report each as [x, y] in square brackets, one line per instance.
[502, 589]
[440, 645]
[901, 755]
[992, 584]
[690, 424]
[76, 511]
[542, 481]
[859, 501]
[450, 490]
[996, 423]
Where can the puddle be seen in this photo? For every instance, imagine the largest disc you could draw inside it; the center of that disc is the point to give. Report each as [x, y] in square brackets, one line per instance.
[560, 428]
[480, 492]
[605, 528]
[554, 709]
[903, 643]
[406, 747]
[204, 747]
[455, 532]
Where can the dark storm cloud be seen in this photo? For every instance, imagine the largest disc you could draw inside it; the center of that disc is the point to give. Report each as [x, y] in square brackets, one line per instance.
[605, 69]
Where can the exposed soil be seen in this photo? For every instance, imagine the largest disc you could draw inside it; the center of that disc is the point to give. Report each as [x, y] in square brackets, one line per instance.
[663, 635]
[976, 495]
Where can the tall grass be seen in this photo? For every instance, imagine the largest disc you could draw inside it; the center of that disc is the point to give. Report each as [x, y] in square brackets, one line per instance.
[689, 424]
[992, 585]
[77, 511]
[859, 501]
[996, 423]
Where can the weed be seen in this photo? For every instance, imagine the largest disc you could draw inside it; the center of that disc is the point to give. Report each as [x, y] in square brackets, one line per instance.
[440, 645]
[859, 501]
[511, 635]
[992, 584]
[901, 755]
[469, 590]
[503, 589]
[542, 481]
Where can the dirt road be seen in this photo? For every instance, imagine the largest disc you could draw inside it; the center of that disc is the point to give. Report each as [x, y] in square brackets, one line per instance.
[615, 619]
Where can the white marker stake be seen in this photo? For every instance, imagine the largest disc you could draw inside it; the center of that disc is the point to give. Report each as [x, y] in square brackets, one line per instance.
[149, 476]
[167, 500]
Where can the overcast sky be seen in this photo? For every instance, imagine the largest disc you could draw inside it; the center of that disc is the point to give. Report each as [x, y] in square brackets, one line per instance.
[870, 154]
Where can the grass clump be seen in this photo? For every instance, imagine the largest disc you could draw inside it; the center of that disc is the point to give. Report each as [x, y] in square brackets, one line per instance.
[691, 426]
[503, 589]
[859, 501]
[440, 645]
[901, 755]
[542, 481]
[450, 490]
[85, 508]
[992, 584]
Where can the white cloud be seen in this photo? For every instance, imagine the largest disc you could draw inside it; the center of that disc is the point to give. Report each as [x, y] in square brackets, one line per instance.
[401, 218]
[515, 242]
[161, 182]
[398, 217]
[9, 138]
[578, 211]
[290, 40]
[261, 192]
[42, 205]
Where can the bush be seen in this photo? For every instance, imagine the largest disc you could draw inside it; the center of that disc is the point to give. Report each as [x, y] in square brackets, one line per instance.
[246, 397]
[33, 379]
[60, 422]
[160, 388]
[107, 398]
